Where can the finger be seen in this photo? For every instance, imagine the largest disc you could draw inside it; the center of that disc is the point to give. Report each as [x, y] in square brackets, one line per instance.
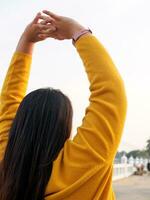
[51, 14]
[35, 20]
[43, 22]
[49, 30]
[47, 18]
[53, 34]
[44, 36]
[41, 27]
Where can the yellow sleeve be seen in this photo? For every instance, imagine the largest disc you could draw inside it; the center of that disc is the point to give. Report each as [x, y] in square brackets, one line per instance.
[13, 91]
[87, 160]
[104, 119]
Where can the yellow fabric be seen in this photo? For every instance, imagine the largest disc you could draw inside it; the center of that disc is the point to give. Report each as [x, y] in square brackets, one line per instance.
[83, 169]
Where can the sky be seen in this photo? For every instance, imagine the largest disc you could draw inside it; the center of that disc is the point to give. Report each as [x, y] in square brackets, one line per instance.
[123, 28]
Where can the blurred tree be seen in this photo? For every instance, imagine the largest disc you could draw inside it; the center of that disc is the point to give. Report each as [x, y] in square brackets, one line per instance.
[148, 147]
[145, 153]
[138, 153]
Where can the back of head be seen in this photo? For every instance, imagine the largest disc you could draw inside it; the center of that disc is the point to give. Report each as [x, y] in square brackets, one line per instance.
[42, 125]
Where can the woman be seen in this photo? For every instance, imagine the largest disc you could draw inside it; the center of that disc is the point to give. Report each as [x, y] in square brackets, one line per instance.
[38, 158]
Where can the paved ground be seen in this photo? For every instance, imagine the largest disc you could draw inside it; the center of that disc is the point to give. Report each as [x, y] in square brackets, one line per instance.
[133, 188]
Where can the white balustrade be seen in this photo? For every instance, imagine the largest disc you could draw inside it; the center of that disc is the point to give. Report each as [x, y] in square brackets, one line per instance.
[127, 167]
[123, 170]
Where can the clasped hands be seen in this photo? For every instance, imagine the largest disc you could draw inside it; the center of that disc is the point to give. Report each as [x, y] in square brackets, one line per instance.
[48, 24]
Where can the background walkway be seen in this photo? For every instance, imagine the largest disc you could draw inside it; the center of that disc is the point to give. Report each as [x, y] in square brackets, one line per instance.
[133, 188]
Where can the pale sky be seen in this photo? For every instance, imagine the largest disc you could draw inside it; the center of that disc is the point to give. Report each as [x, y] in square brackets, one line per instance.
[123, 28]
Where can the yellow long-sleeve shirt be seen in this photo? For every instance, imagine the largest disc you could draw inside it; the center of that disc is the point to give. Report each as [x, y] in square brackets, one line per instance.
[83, 168]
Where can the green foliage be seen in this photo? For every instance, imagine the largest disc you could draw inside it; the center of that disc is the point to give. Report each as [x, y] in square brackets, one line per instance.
[120, 154]
[148, 147]
[138, 153]
[134, 154]
[145, 153]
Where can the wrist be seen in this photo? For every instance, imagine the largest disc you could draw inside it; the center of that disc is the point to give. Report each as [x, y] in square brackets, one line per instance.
[81, 33]
[25, 45]
[76, 29]
[25, 39]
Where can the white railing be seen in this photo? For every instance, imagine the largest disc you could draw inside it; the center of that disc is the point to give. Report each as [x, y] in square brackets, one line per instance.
[127, 167]
[123, 171]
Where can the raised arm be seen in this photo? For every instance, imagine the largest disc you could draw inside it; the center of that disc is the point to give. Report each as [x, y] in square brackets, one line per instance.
[102, 126]
[104, 119]
[15, 84]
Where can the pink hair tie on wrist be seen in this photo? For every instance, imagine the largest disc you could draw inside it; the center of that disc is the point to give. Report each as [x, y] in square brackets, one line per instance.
[77, 35]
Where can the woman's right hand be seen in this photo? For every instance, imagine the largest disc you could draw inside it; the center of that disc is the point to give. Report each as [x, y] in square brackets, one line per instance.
[65, 26]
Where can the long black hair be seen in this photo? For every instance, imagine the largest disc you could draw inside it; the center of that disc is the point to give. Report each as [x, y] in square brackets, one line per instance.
[41, 126]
